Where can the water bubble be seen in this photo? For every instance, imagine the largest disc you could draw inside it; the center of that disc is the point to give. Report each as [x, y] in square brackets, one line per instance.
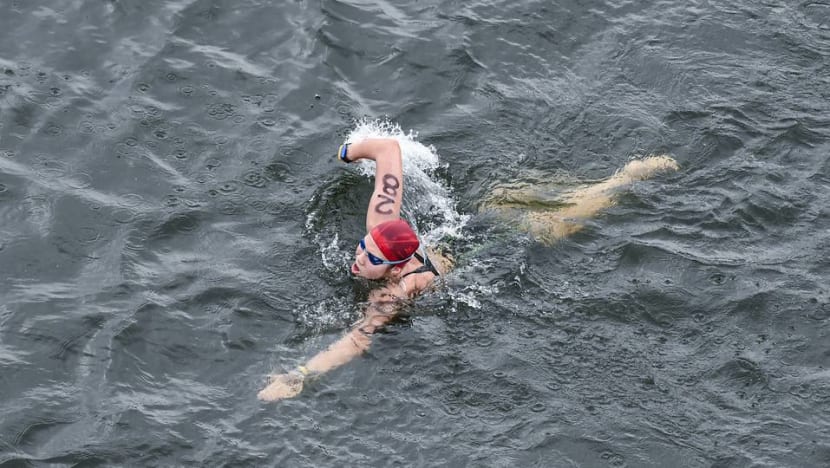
[229, 207]
[52, 169]
[135, 240]
[132, 200]
[86, 127]
[123, 215]
[253, 178]
[267, 122]
[499, 374]
[229, 187]
[504, 406]
[182, 222]
[614, 459]
[538, 407]
[259, 205]
[80, 180]
[137, 111]
[220, 111]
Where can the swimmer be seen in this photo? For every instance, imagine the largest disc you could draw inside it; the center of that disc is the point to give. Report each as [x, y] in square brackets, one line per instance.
[392, 253]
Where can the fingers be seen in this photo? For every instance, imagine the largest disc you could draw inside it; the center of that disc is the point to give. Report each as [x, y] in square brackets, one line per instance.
[267, 395]
[281, 386]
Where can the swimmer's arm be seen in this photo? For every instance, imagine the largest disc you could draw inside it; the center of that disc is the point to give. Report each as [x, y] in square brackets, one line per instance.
[354, 343]
[385, 204]
[351, 345]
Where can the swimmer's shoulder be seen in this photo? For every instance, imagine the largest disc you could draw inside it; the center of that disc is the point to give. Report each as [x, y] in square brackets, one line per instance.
[414, 285]
[442, 261]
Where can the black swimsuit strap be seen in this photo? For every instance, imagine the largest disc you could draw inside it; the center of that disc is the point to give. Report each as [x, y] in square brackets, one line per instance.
[426, 267]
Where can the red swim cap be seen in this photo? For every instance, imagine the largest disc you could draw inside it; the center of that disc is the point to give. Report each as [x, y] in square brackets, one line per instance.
[395, 239]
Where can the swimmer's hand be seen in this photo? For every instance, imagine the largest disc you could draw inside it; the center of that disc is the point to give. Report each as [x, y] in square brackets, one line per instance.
[283, 386]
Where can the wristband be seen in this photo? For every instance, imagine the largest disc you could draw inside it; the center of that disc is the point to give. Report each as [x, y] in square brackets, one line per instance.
[303, 370]
[342, 152]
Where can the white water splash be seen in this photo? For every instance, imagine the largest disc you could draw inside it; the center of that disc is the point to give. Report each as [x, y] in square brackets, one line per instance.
[424, 196]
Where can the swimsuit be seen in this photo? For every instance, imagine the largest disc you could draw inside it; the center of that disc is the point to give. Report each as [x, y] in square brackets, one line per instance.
[426, 267]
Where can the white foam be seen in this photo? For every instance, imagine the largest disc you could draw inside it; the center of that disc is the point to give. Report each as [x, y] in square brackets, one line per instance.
[425, 197]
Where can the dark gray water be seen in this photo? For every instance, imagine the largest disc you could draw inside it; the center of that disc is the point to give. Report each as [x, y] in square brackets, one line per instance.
[173, 227]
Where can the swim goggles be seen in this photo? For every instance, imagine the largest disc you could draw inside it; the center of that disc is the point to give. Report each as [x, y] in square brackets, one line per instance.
[379, 261]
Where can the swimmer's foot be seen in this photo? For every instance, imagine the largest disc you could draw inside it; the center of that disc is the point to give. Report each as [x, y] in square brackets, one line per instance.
[641, 169]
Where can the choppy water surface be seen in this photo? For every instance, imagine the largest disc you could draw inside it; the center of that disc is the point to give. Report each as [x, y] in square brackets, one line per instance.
[173, 227]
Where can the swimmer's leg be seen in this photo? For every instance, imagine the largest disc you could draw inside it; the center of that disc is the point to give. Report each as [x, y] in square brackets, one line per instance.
[550, 225]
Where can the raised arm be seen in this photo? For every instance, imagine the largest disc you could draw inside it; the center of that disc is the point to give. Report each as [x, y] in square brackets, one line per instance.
[381, 309]
[385, 204]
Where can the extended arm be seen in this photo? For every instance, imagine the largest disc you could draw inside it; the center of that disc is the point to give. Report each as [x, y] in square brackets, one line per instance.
[354, 343]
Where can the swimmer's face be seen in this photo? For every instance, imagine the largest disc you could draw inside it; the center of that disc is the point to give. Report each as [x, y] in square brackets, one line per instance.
[362, 266]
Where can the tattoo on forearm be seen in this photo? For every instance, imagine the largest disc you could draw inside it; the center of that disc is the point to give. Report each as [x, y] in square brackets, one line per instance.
[391, 184]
